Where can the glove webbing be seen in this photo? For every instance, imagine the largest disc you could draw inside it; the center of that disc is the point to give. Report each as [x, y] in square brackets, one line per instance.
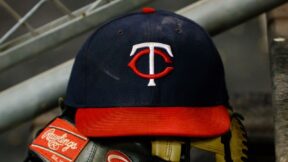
[231, 147]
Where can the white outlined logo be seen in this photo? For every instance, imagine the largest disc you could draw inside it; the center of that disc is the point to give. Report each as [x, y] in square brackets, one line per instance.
[113, 156]
[151, 51]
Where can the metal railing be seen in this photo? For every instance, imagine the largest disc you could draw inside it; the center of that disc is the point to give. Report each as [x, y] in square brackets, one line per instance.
[23, 20]
[58, 31]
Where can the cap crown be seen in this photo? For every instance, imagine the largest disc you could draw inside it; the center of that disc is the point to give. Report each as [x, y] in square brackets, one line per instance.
[156, 59]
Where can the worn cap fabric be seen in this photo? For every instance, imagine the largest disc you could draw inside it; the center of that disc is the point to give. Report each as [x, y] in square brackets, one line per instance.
[149, 73]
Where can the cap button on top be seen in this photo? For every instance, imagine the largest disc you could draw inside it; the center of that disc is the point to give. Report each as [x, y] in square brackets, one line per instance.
[148, 10]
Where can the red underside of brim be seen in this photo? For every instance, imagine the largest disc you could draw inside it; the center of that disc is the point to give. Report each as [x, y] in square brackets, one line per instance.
[153, 121]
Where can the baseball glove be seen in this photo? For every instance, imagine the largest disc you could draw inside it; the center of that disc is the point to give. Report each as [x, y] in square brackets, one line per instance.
[61, 142]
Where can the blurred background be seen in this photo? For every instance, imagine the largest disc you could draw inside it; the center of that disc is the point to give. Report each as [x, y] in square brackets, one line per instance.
[244, 50]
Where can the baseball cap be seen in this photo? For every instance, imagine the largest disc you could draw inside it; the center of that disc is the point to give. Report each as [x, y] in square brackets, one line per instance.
[149, 73]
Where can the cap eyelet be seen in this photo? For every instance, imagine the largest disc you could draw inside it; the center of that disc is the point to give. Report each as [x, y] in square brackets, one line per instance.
[120, 32]
[178, 30]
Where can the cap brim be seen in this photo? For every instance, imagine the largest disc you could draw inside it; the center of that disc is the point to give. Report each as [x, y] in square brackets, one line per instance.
[153, 121]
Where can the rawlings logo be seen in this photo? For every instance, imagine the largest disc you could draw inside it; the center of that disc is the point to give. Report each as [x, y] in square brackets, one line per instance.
[151, 51]
[56, 141]
[60, 142]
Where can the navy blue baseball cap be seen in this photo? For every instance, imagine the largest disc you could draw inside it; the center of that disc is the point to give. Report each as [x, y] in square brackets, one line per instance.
[149, 73]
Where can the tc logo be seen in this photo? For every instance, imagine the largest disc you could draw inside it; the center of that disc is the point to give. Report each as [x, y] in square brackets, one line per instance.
[151, 51]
